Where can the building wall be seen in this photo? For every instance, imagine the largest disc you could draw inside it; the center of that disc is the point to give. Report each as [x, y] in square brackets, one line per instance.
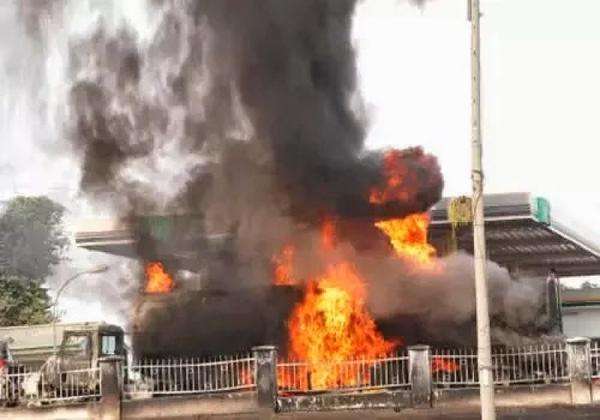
[582, 321]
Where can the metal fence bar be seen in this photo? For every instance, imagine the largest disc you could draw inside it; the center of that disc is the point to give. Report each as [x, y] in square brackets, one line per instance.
[595, 359]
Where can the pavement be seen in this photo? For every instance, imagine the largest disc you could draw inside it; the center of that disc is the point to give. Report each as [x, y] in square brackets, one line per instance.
[547, 413]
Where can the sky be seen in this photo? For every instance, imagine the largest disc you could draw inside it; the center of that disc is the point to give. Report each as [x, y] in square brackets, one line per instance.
[540, 101]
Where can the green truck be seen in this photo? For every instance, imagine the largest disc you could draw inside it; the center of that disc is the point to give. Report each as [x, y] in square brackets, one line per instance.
[79, 344]
[49, 361]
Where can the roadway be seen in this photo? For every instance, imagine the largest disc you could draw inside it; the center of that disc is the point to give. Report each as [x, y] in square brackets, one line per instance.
[550, 413]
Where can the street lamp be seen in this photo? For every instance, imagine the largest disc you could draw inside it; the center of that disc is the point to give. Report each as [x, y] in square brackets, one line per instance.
[99, 269]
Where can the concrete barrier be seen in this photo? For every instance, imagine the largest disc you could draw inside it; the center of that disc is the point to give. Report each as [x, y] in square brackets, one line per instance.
[419, 372]
[580, 370]
[193, 405]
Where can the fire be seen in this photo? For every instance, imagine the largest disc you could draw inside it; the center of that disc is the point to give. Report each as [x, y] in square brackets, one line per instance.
[284, 267]
[328, 234]
[441, 364]
[332, 325]
[408, 236]
[157, 279]
[397, 180]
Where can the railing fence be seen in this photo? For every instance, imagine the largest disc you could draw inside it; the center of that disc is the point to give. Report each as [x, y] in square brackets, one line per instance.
[22, 383]
[189, 375]
[348, 375]
[450, 368]
[543, 363]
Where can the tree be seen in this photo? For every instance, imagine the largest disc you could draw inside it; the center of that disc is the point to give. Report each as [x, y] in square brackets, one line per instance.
[23, 301]
[32, 239]
[32, 242]
[588, 285]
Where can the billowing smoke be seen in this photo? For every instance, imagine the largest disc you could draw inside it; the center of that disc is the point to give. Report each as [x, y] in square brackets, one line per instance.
[247, 116]
[442, 301]
[262, 94]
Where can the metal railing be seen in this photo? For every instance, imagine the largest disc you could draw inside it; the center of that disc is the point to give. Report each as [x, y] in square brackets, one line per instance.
[348, 375]
[22, 384]
[543, 363]
[191, 375]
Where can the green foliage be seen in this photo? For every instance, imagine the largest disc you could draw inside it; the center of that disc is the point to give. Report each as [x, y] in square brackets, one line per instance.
[23, 301]
[32, 239]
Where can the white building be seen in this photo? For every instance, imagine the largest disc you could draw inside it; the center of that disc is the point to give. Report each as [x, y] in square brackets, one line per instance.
[581, 312]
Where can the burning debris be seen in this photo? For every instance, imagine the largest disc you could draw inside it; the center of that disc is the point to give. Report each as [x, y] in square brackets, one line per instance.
[157, 279]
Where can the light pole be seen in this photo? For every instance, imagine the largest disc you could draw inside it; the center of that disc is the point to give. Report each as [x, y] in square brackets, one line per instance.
[95, 270]
[484, 353]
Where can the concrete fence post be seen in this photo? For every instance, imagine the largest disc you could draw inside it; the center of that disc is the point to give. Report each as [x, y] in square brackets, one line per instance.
[266, 376]
[419, 371]
[110, 387]
[580, 370]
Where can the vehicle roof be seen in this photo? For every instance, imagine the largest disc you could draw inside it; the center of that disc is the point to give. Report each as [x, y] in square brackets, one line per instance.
[38, 336]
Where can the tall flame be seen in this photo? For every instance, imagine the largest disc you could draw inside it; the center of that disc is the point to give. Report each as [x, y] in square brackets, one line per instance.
[332, 324]
[408, 236]
[284, 267]
[157, 279]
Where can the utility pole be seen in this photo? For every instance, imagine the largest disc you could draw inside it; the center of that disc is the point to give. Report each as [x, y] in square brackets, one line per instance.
[484, 351]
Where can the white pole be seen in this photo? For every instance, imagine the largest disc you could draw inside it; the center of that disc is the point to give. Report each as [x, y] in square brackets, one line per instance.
[484, 354]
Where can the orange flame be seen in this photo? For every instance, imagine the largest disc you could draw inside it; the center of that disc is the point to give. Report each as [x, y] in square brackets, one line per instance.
[328, 234]
[408, 236]
[247, 376]
[157, 279]
[332, 324]
[284, 267]
[441, 364]
[397, 183]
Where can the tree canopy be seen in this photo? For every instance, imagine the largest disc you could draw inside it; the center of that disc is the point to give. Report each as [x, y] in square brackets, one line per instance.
[23, 301]
[32, 240]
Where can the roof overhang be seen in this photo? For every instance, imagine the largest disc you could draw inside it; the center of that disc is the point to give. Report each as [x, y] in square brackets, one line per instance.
[175, 238]
[523, 235]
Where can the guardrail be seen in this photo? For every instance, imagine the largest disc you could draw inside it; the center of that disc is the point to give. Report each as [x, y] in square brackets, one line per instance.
[348, 375]
[184, 376]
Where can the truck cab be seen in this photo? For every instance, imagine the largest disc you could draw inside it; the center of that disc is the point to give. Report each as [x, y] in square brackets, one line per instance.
[81, 348]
